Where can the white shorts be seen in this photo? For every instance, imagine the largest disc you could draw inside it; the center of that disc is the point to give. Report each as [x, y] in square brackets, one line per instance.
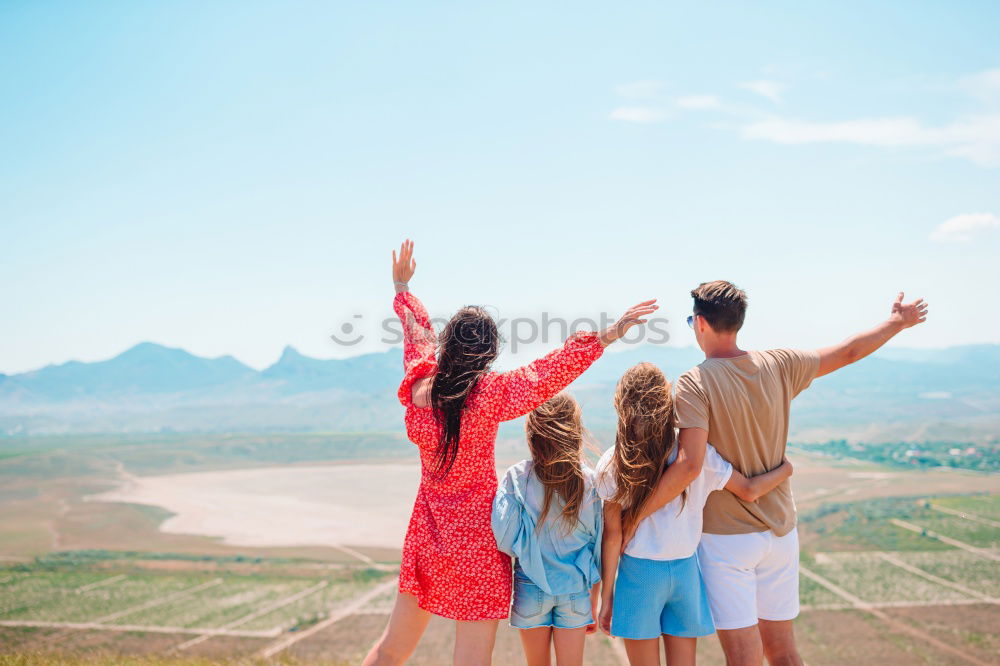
[750, 577]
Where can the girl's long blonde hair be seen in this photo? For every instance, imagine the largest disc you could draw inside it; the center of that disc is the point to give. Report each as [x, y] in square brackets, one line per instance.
[556, 437]
[644, 440]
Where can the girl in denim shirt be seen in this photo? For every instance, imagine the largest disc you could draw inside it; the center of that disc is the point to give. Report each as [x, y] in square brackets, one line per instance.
[548, 516]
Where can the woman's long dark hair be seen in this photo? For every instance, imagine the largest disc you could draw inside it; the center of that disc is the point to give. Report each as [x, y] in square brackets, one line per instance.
[468, 345]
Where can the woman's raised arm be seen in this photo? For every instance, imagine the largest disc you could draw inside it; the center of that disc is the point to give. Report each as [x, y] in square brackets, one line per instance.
[419, 339]
[517, 392]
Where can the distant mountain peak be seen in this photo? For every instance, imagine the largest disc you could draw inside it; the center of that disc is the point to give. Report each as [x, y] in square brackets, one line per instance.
[291, 359]
[290, 353]
[146, 345]
[151, 349]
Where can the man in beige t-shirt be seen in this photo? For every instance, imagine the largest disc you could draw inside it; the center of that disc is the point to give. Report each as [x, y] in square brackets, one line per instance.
[740, 401]
[743, 403]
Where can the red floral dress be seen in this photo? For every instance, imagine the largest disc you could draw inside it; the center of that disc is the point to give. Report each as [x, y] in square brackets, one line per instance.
[450, 557]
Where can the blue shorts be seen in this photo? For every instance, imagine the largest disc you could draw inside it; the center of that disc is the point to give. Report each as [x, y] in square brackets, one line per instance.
[533, 607]
[654, 597]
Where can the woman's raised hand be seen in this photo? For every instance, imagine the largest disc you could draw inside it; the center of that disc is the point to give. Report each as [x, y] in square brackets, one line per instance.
[633, 316]
[403, 266]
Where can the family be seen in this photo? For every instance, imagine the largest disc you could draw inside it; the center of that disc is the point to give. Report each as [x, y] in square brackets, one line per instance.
[685, 527]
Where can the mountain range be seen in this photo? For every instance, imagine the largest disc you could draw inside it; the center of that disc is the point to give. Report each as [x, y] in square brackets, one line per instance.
[898, 394]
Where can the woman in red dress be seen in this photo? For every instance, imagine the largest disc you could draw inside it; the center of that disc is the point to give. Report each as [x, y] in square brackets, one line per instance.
[454, 404]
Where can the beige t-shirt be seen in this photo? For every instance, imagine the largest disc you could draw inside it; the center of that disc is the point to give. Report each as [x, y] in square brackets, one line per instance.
[743, 403]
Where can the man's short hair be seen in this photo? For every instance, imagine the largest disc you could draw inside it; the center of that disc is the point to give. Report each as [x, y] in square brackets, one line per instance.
[722, 304]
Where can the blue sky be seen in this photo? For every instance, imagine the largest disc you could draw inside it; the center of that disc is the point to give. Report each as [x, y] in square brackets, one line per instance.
[230, 177]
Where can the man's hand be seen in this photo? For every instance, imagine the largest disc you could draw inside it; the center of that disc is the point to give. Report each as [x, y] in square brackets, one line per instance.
[856, 347]
[403, 266]
[906, 315]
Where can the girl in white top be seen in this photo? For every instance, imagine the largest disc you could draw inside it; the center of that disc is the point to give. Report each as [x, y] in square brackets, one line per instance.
[655, 588]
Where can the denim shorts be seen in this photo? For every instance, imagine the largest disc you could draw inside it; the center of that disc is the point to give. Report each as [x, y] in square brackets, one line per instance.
[654, 597]
[532, 607]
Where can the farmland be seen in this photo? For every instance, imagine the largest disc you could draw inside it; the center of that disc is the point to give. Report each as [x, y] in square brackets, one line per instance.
[898, 566]
[239, 608]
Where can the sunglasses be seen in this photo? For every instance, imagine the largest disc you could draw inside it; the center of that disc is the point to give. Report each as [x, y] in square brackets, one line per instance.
[690, 320]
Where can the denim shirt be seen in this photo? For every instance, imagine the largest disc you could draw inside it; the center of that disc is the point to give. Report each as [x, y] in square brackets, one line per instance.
[557, 561]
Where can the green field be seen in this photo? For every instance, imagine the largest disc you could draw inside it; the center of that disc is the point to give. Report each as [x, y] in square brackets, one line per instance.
[121, 591]
[979, 505]
[867, 525]
[967, 569]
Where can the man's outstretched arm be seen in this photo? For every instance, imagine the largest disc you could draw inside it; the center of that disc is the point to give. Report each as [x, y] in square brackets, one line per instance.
[856, 347]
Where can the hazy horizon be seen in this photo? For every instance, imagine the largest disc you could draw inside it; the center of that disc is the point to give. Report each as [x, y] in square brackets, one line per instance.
[519, 357]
